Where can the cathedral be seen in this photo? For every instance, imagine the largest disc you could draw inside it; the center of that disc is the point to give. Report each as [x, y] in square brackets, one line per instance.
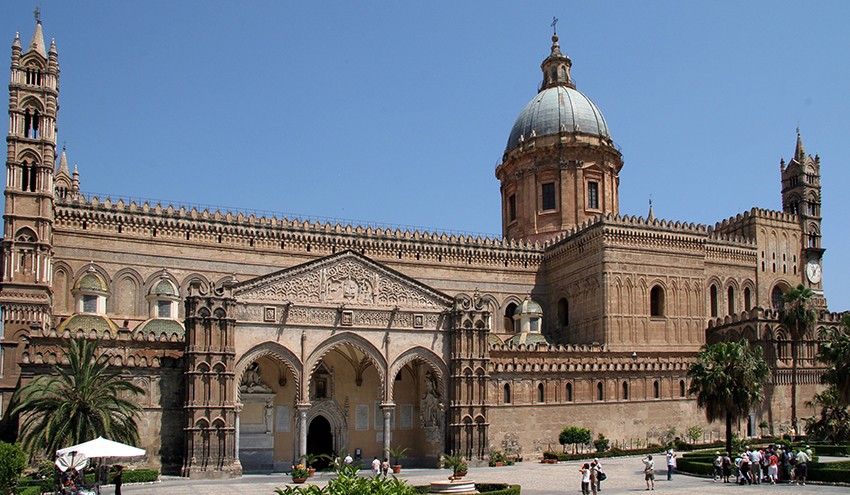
[258, 339]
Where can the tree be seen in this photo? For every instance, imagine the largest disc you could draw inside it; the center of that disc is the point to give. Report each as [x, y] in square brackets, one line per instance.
[12, 464]
[727, 380]
[798, 317]
[833, 425]
[574, 435]
[77, 402]
[835, 352]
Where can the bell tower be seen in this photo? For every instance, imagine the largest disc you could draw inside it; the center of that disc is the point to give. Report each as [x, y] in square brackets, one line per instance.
[26, 272]
[801, 195]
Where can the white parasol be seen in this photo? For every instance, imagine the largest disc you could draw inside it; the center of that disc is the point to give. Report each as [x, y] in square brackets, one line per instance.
[101, 447]
[71, 460]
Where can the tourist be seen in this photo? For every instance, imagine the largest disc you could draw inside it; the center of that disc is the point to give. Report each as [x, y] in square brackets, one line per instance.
[773, 468]
[348, 460]
[594, 478]
[649, 472]
[600, 476]
[385, 467]
[376, 466]
[744, 469]
[585, 479]
[727, 467]
[755, 464]
[718, 466]
[119, 472]
[671, 463]
[802, 466]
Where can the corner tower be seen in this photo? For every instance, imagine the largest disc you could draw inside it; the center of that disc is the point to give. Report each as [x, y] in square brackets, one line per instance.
[560, 166]
[25, 276]
[801, 195]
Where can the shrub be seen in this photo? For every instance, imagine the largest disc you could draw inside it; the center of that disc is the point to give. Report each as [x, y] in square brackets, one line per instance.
[694, 466]
[574, 435]
[139, 475]
[550, 455]
[12, 464]
[497, 488]
[601, 443]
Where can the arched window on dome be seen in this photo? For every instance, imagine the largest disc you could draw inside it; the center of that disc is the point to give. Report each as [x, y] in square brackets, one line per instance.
[656, 301]
[90, 292]
[563, 73]
[163, 299]
[506, 398]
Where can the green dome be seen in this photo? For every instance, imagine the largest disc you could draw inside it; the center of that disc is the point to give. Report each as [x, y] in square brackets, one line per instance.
[164, 288]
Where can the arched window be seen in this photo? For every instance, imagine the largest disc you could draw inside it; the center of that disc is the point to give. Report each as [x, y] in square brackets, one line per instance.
[730, 300]
[776, 298]
[625, 390]
[568, 392]
[656, 389]
[656, 301]
[507, 395]
[563, 312]
[713, 300]
[600, 391]
[748, 299]
[681, 388]
[540, 393]
[509, 318]
[163, 299]
[780, 348]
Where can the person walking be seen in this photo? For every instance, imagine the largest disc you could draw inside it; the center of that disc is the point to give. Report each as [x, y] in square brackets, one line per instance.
[773, 468]
[671, 464]
[116, 478]
[376, 466]
[600, 474]
[594, 478]
[649, 472]
[385, 467]
[727, 467]
[802, 466]
[585, 479]
[718, 466]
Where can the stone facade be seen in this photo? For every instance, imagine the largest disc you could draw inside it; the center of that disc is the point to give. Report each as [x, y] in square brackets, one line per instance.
[259, 339]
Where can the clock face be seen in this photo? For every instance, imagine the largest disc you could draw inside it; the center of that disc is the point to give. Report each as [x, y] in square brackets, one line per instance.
[813, 272]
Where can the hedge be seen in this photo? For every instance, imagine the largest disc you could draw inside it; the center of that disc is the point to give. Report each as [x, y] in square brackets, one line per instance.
[129, 476]
[651, 449]
[828, 449]
[834, 472]
[690, 465]
[30, 490]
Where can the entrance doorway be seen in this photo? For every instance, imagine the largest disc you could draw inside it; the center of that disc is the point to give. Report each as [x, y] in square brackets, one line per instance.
[320, 440]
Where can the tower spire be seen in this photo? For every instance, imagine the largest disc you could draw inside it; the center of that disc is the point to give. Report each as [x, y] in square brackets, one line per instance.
[799, 151]
[37, 42]
[556, 67]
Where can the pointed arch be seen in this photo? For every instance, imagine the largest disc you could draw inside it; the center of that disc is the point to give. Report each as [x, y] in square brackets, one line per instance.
[429, 357]
[274, 350]
[353, 340]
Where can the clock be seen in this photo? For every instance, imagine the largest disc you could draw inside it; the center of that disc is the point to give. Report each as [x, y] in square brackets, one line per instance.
[813, 272]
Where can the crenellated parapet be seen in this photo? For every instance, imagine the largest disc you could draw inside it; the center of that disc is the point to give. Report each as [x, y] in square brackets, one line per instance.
[261, 232]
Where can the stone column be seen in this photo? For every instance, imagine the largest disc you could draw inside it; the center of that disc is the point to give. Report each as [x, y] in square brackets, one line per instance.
[238, 412]
[387, 409]
[302, 429]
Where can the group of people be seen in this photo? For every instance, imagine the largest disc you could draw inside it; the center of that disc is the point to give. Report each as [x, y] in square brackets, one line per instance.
[591, 477]
[769, 465]
[380, 468]
[73, 482]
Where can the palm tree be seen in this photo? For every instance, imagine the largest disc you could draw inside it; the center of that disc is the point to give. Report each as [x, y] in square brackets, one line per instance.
[835, 351]
[798, 317]
[727, 380]
[77, 402]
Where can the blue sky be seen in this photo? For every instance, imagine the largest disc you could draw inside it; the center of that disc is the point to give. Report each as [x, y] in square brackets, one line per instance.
[398, 112]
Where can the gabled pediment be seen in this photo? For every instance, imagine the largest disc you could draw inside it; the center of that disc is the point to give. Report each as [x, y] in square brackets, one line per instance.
[346, 278]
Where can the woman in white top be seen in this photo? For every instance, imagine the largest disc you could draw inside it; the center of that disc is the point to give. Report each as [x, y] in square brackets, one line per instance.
[649, 472]
[585, 479]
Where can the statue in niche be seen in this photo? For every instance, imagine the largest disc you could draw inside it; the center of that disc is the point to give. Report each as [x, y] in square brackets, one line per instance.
[252, 382]
[432, 405]
[269, 410]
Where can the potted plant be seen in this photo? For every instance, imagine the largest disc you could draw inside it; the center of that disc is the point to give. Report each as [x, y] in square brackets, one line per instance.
[549, 457]
[497, 458]
[397, 454]
[299, 473]
[310, 461]
[457, 464]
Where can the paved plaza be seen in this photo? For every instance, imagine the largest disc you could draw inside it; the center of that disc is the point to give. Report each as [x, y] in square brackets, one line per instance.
[625, 475]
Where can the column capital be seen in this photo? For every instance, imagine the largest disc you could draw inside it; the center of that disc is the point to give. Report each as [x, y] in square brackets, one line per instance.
[303, 406]
[387, 406]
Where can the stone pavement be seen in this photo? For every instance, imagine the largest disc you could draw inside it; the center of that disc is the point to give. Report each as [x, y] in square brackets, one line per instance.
[625, 475]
